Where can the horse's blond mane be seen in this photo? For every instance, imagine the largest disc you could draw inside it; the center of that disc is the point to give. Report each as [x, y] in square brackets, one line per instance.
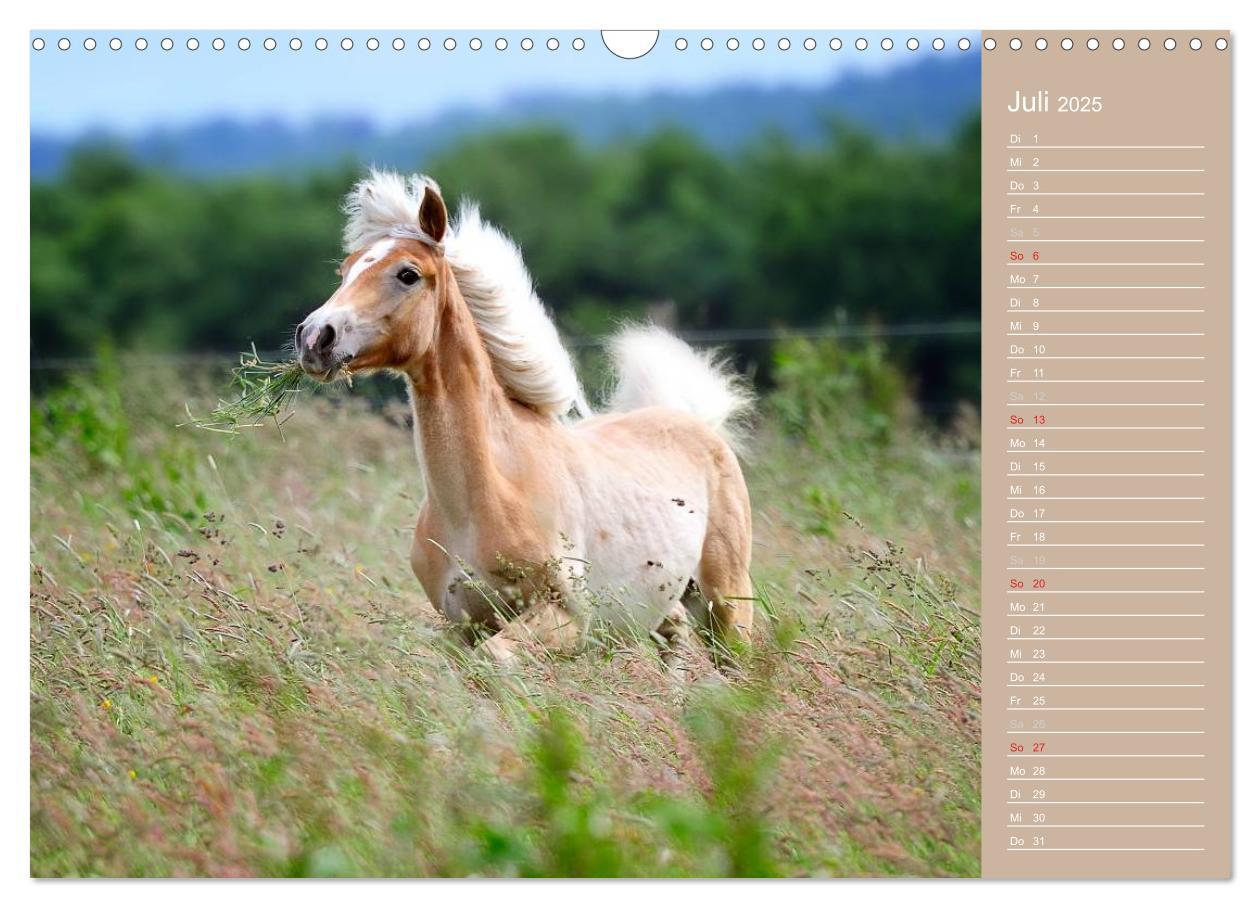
[528, 357]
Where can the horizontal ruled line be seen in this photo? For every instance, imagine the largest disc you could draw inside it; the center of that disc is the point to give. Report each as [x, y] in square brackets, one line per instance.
[1162, 731]
[1039, 311]
[1044, 756]
[1105, 428]
[1105, 381]
[1105, 521]
[1023, 287]
[1105, 217]
[1037, 146]
[1104, 662]
[1039, 241]
[1035, 803]
[1102, 170]
[1119, 475]
[1091, 686]
[1107, 357]
[1109, 849]
[1103, 592]
[1104, 498]
[1105, 779]
[1104, 826]
[1106, 333]
[1038, 616]
[1138, 194]
[1040, 264]
[1109, 709]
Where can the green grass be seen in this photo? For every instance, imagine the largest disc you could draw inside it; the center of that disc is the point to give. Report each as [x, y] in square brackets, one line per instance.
[233, 671]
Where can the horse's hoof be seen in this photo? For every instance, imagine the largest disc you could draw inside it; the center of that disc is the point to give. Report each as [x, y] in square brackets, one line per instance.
[501, 652]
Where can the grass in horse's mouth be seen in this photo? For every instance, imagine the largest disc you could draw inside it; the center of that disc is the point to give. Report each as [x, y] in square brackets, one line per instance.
[265, 392]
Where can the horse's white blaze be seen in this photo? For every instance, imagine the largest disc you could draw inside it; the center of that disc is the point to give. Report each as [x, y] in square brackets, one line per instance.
[378, 251]
[352, 330]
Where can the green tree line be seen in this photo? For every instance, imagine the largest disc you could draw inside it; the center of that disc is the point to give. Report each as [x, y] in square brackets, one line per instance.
[776, 235]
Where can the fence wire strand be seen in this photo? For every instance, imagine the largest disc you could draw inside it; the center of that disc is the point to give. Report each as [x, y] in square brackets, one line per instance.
[701, 337]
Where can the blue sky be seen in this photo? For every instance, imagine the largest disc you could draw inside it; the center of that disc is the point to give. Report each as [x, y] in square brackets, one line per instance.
[129, 90]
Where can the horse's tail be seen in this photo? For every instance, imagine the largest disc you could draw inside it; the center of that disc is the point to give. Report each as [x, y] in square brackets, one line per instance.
[653, 368]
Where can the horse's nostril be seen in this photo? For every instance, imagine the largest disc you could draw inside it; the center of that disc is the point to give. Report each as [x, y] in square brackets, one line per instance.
[297, 337]
[327, 336]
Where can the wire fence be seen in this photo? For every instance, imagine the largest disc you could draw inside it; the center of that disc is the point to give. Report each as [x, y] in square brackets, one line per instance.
[700, 337]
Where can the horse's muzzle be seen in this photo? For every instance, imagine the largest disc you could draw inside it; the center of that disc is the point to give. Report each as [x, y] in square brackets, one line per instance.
[317, 349]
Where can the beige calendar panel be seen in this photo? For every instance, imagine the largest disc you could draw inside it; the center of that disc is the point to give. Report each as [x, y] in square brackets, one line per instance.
[1106, 400]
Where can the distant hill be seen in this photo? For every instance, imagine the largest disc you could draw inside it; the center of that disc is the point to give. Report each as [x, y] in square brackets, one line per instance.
[925, 101]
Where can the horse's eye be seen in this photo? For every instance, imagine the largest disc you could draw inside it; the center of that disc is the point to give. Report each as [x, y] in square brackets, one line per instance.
[409, 276]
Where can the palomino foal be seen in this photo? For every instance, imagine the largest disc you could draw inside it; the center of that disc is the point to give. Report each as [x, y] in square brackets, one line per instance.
[534, 524]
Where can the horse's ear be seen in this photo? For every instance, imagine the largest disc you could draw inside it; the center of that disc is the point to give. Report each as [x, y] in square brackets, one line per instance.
[433, 213]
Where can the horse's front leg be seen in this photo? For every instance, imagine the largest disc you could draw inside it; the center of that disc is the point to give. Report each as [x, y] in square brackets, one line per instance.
[546, 626]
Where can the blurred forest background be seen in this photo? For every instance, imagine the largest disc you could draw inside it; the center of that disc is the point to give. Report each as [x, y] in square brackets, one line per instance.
[848, 211]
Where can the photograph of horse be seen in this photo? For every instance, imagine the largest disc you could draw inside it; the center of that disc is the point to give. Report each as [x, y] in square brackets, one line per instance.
[568, 470]
[534, 521]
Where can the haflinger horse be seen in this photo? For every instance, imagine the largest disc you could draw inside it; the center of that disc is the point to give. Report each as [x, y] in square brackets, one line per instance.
[539, 516]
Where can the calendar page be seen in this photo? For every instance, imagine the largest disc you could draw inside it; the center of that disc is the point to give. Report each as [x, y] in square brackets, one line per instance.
[684, 453]
[1106, 455]
[1106, 289]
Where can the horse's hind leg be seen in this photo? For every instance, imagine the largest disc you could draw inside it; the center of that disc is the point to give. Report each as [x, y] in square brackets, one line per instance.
[726, 595]
[725, 587]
